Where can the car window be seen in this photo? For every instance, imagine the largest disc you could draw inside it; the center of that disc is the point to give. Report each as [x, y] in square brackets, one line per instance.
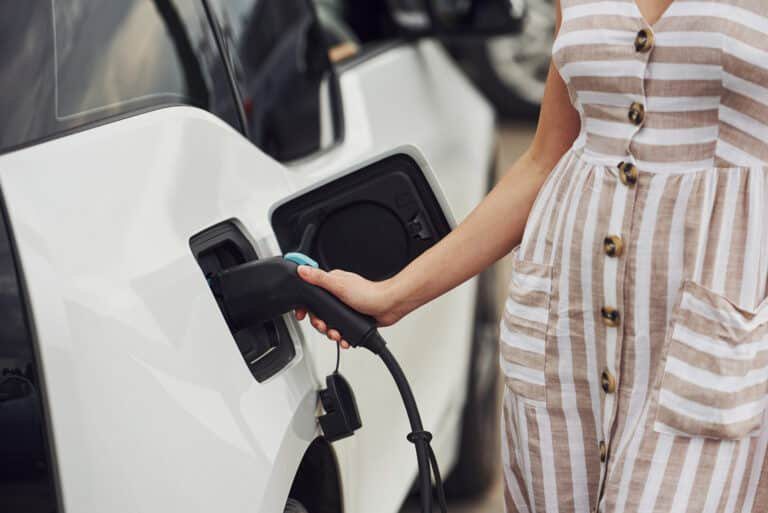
[69, 63]
[279, 55]
[368, 24]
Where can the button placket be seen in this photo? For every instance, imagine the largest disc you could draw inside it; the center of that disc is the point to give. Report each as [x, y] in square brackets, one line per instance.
[637, 110]
[611, 315]
[615, 251]
[614, 248]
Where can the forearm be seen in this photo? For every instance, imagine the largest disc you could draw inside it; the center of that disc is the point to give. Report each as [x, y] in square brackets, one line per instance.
[491, 230]
[497, 224]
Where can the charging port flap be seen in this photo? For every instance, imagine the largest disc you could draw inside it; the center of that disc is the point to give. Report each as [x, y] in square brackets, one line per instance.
[266, 347]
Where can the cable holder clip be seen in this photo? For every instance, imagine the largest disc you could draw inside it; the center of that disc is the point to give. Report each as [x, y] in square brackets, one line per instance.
[419, 435]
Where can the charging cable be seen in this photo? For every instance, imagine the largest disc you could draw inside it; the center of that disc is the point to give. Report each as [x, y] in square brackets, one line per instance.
[419, 437]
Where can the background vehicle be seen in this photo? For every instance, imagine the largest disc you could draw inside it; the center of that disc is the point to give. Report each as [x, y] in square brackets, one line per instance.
[512, 69]
[144, 143]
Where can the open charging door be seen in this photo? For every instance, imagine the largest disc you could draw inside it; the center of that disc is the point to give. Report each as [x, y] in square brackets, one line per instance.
[372, 221]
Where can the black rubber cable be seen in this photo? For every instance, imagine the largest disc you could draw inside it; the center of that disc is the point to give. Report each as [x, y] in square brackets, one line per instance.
[338, 357]
[419, 437]
[307, 239]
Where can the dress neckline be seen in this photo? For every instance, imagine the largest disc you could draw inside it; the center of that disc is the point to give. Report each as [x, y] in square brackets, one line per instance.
[660, 17]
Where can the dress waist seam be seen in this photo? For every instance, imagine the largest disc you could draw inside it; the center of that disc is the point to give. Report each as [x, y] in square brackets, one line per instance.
[611, 163]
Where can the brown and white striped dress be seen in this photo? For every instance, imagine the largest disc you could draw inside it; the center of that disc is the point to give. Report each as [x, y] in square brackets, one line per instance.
[635, 335]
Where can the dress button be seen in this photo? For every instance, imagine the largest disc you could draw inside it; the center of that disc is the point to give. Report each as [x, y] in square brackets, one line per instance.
[603, 451]
[627, 173]
[613, 246]
[644, 41]
[610, 315]
[636, 113]
[608, 382]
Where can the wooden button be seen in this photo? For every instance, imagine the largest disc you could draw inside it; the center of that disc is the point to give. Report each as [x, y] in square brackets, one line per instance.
[608, 382]
[636, 113]
[610, 315]
[644, 41]
[613, 245]
[627, 173]
[603, 451]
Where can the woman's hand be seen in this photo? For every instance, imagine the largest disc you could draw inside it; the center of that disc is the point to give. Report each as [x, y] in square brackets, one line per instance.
[368, 297]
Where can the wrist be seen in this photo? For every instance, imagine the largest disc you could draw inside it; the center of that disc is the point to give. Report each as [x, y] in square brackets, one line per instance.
[397, 298]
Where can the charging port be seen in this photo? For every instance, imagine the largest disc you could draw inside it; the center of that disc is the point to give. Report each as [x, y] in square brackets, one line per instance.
[266, 347]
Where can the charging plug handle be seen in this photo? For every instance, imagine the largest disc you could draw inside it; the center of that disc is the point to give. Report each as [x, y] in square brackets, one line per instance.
[264, 289]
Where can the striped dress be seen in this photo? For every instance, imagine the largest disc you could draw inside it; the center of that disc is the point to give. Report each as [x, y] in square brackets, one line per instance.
[634, 340]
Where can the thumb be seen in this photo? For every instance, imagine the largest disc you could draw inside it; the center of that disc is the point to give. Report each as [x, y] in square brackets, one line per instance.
[314, 276]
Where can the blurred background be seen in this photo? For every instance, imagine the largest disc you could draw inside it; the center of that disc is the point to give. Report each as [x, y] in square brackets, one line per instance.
[509, 67]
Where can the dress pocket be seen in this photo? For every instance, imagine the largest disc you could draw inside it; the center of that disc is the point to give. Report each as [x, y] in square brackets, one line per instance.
[523, 329]
[715, 380]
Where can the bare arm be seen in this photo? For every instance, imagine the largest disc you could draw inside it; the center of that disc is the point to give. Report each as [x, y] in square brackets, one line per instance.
[503, 213]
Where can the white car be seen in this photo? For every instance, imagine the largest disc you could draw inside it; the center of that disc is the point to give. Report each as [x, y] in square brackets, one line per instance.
[147, 143]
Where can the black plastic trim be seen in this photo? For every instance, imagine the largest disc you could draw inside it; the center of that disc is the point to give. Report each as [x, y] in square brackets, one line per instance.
[317, 483]
[337, 100]
[29, 322]
[224, 55]
[266, 347]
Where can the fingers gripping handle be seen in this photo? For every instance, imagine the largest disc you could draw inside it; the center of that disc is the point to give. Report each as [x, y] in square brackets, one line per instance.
[356, 328]
[264, 289]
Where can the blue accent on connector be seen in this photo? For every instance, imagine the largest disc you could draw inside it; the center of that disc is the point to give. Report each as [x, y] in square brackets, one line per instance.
[300, 259]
